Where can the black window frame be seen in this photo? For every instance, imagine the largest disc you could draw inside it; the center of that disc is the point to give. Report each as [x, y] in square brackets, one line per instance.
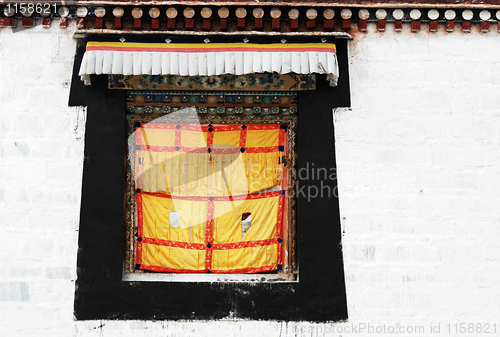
[319, 295]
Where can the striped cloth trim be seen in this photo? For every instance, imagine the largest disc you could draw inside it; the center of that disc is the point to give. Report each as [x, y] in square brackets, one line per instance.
[198, 59]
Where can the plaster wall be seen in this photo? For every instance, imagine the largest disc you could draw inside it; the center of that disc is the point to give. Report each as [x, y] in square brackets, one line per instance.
[418, 158]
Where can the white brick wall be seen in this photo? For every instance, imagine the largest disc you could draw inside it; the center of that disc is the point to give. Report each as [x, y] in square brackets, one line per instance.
[419, 173]
[41, 152]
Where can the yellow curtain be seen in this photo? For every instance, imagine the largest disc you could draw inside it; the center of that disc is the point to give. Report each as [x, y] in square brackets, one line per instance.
[195, 184]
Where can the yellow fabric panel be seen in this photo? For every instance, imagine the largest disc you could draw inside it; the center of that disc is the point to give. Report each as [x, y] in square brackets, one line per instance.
[231, 138]
[262, 138]
[175, 165]
[156, 219]
[250, 257]
[193, 138]
[198, 171]
[157, 137]
[193, 174]
[150, 173]
[228, 173]
[191, 213]
[188, 174]
[173, 257]
[263, 170]
[227, 222]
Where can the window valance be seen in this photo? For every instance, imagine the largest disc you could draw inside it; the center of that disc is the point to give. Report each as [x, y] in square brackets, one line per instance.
[207, 58]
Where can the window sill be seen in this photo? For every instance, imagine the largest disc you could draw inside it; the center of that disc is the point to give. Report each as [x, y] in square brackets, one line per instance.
[251, 278]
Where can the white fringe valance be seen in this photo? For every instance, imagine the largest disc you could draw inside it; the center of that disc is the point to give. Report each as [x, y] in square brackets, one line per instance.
[208, 59]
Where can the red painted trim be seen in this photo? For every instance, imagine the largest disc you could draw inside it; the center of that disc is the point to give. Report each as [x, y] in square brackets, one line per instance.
[140, 224]
[155, 24]
[159, 148]
[207, 24]
[279, 254]
[362, 25]
[118, 23]
[282, 137]
[245, 244]
[202, 246]
[209, 234]
[80, 23]
[210, 139]
[138, 135]
[243, 137]
[171, 270]
[171, 23]
[46, 22]
[210, 222]
[279, 221]
[206, 50]
[415, 26]
[450, 26]
[246, 270]
[276, 23]
[265, 149]
[189, 23]
[189, 271]
[485, 26]
[466, 26]
[223, 23]
[398, 25]
[12, 22]
[239, 197]
[328, 24]
[381, 26]
[27, 22]
[310, 24]
[259, 24]
[204, 127]
[178, 136]
[186, 149]
[433, 26]
[208, 259]
[240, 23]
[170, 243]
[279, 225]
[99, 23]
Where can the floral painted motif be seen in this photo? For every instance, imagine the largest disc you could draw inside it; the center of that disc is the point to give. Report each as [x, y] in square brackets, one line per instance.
[226, 80]
[155, 79]
[307, 82]
[198, 80]
[116, 81]
[271, 81]
[181, 81]
[150, 81]
[241, 82]
[211, 82]
[266, 79]
[253, 82]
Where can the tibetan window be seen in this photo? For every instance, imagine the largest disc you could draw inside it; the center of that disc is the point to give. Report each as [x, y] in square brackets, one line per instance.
[147, 92]
[208, 187]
